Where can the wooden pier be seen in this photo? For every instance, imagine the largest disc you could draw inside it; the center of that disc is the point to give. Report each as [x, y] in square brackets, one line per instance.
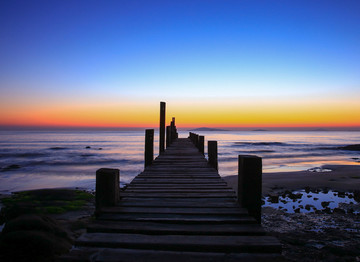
[177, 209]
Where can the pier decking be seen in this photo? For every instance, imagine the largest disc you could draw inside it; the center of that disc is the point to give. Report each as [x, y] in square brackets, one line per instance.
[177, 209]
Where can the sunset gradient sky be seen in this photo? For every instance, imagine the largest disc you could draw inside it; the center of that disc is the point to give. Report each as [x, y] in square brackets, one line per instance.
[241, 63]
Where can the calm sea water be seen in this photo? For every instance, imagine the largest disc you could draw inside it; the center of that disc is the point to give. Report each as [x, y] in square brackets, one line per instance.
[46, 159]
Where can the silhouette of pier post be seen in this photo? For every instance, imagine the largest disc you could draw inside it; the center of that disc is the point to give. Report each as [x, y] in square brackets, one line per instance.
[149, 146]
[213, 154]
[249, 184]
[107, 187]
[168, 136]
[201, 144]
[162, 128]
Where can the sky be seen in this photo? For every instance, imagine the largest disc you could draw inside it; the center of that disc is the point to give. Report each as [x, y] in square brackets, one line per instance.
[241, 63]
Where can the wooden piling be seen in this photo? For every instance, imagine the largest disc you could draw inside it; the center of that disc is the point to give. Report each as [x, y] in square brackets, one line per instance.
[173, 130]
[213, 154]
[197, 141]
[168, 136]
[149, 146]
[162, 128]
[107, 187]
[201, 144]
[249, 184]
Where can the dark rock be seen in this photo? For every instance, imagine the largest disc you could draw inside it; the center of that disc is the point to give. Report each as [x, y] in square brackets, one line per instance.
[33, 238]
[88, 147]
[357, 195]
[34, 222]
[341, 194]
[325, 203]
[339, 211]
[100, 148]
[355, 147]
[327, 210]
[315, 198]
[11, 167]
[308, 207]
[297, 210]
[274, 199]
[57, 148]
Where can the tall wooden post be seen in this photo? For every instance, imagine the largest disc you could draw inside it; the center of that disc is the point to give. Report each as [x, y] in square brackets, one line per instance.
[173, 129]
[107, 187]
[197, 141]
[213, 154]
[249, 184]
[201, 144]
[168, 136]
[162, 128]
[149, 146]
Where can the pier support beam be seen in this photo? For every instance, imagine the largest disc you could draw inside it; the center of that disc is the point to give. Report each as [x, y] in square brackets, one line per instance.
[107, 187]
[149, 146]
[213, 154]
[162, 128]
[250, 184]
[201, 144]
[168, 136]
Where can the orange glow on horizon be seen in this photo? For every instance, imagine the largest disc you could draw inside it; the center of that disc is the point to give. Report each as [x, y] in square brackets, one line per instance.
[215, 113]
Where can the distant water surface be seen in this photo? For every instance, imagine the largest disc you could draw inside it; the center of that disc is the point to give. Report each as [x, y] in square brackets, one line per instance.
[39, 159]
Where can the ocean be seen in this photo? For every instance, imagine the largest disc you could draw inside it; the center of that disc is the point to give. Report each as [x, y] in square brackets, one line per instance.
[49, 159]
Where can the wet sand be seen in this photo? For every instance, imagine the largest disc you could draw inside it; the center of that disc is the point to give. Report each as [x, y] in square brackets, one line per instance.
[341, 178]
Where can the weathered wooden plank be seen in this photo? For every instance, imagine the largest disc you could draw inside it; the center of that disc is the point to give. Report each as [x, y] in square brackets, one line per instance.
[139, 188]
[176, 210]
[239, 244]
[130, 255]
[153, 228]
[179, 195]
[179, 218]
[176, 203]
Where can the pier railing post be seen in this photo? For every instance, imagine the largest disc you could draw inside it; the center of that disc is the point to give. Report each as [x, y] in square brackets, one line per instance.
[107, 187]
[149, 146]
[213, 154]
[162, 128]
[250, 184]
[201, 144]
[168, 136]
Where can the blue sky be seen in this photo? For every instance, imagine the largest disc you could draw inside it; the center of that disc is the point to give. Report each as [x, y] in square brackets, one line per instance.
[66, 51]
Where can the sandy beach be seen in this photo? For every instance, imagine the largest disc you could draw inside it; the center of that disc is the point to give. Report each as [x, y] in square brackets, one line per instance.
[341, 178]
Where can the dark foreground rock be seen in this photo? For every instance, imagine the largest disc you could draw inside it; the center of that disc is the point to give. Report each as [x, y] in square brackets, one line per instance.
[315, 237]
[33, 238]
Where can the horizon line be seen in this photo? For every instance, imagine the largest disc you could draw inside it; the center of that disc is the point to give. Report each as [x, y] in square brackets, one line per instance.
[227, 128]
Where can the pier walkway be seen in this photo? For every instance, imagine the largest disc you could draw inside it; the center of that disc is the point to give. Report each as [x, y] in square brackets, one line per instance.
[177, 209]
